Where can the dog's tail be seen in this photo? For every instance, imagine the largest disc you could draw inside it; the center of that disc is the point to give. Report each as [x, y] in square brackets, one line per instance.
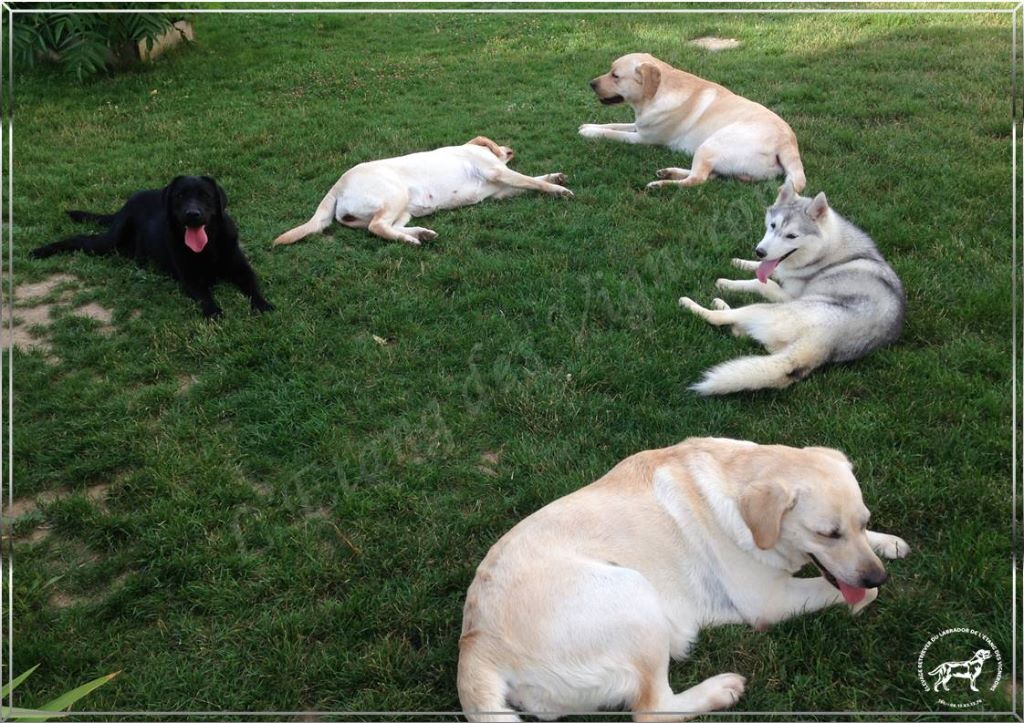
[774, 371]
[789, 159]
[320, 221]
[481, 687]
[89, 217]
[938, 670]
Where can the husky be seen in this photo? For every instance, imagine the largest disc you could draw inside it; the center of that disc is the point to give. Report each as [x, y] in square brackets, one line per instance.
[833, 298]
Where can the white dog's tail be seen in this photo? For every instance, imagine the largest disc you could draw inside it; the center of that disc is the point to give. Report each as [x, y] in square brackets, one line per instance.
[482, 690]
[938, 671]
[320, 221]
[775, 371]
[789, 159]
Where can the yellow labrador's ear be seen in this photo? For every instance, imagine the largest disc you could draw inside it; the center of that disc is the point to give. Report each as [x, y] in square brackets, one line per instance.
[488, 144]
[818, 207]
[762, 506]
[786, 192]
[650, 78]
[834, 454]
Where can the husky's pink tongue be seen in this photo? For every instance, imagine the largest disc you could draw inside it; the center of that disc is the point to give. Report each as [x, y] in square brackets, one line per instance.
[852, 595]
[765, 269]
[195, 238]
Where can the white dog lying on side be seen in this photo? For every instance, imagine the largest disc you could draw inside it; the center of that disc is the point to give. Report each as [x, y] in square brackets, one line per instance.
[383, 195]
[582, 604]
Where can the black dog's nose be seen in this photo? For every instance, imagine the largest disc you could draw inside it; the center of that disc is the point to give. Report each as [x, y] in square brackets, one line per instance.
[759, 252]
[193, 216]
[874, 579]
[593, 84]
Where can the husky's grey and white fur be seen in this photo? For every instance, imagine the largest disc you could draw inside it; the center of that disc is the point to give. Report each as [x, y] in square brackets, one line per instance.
[833, 298]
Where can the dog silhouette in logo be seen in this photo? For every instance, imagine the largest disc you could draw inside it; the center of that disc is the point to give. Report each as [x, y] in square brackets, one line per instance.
[969, 669]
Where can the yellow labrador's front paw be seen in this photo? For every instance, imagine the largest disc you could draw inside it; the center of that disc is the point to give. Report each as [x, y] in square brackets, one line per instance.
[869, 597]
[589, 130]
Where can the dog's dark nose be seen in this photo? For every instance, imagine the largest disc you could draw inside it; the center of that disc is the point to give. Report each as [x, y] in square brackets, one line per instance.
[593, 84]
[875, 578]
[193, 216]
[759, 252]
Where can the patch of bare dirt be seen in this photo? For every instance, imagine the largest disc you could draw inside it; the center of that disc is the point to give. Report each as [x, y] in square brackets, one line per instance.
[42, 289]
[715, 44]
[488, 461]
[32, 315]
[94, 311]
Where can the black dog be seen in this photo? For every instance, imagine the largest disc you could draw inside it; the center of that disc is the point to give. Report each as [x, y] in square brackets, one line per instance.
[183, 229]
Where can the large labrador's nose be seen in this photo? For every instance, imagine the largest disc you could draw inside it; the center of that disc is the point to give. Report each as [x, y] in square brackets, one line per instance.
[593, 84]
[193, 216]
[875, 578]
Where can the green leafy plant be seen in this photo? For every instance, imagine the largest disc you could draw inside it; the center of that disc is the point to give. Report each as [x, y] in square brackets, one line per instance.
[82, 43]
[53, 708]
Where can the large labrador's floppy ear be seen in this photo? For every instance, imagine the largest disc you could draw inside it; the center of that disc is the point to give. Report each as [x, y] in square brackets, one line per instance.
[762, 506]
[222, 197]
[786, 193]
[650, 78]
[489, 145]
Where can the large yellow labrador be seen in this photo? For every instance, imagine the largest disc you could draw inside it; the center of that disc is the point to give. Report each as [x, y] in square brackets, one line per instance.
[582, 604]
[726, 134]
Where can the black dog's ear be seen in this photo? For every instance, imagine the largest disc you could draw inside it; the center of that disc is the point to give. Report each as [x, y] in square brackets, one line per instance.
[221, 196]
[166, 193]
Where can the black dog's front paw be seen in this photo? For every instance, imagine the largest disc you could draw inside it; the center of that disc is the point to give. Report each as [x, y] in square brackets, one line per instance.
[212, 313]
[262, 306]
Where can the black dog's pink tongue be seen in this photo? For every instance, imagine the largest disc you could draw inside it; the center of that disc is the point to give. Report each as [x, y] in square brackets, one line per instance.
[195, 238]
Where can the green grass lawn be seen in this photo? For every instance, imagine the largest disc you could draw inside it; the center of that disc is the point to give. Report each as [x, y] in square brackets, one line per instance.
[295, 510]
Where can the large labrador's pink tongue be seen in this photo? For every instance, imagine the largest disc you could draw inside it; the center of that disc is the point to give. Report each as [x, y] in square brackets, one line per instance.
[765, 269]
[195, 238]
[852, 595]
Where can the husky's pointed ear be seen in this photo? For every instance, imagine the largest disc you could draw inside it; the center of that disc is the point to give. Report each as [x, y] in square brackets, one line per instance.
[786, 193]
[762, 505]
[818, 207]
[650, 78]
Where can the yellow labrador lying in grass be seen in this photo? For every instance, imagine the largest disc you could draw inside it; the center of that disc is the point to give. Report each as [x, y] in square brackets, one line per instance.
[383, 195]
[582, 604]
[726, 134]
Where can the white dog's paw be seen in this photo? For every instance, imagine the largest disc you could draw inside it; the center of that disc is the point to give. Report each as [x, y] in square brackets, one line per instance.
[724, 284]
[427, 235]
[590, 130]
[565, 193]
[869, 597]
[890, 547]
[719, 305]
[722, 691]
[558, 179]
[674, 174]
[686, 302]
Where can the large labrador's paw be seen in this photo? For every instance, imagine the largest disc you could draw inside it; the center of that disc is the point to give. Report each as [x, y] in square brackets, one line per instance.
[890, 547]
[590, 130]
[722, 691]
[558, 179]
[869, 597]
